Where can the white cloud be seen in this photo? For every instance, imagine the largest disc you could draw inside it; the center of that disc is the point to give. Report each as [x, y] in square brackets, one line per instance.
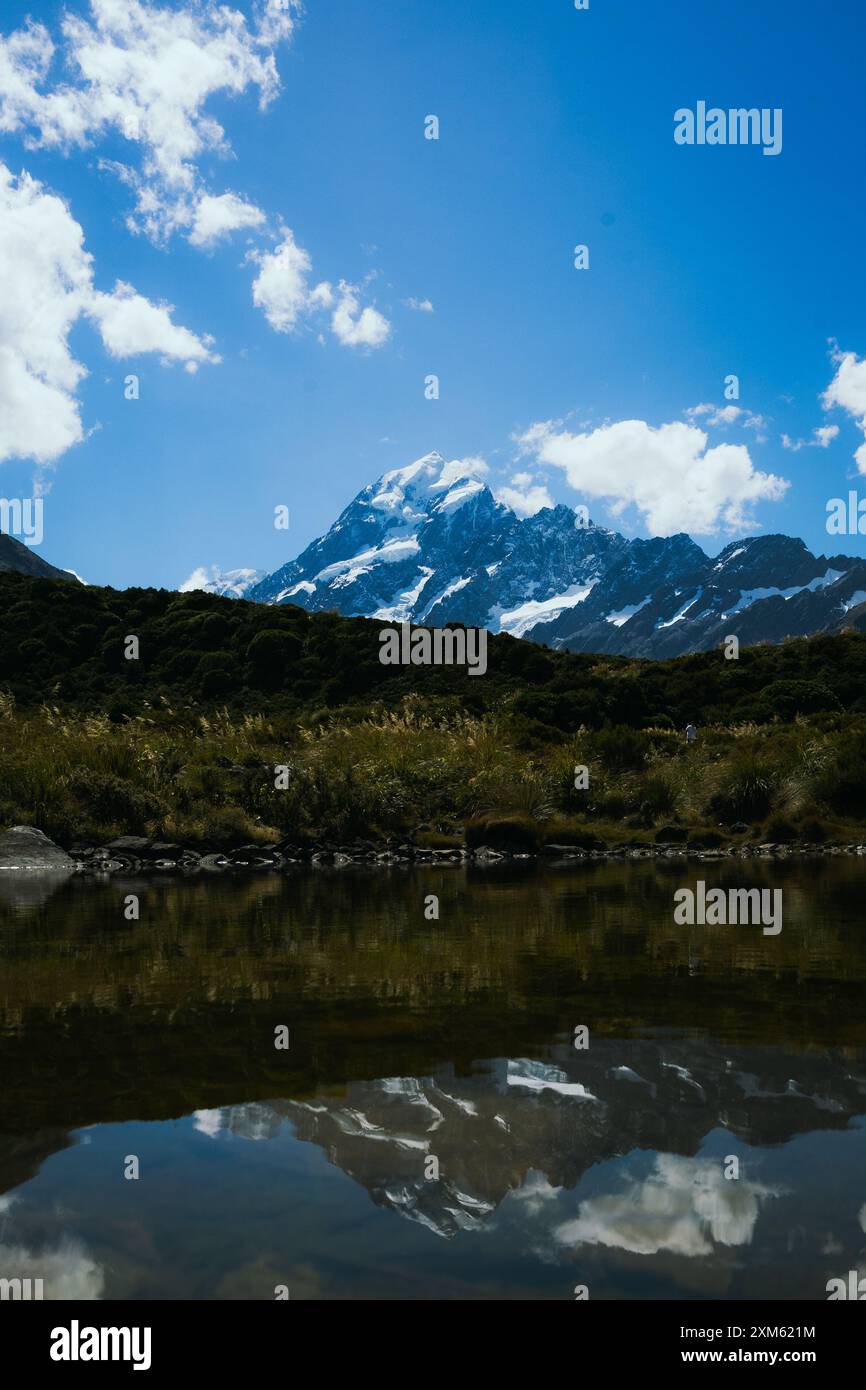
[685, 1206]
[356, 327]
[720, 416]
[536, 1192]
[149, 73]
[146, 73]
[322, 297]
[715, 415]
[68, 1272]
[825, 435]
[848, 390]
[215, 580]
[207, 1122]
[131, 324]
[821, 439]
[458, 469]
[217, 217]
[280, 288]
[423, 306]
[199, 579]
[44, 284]
[46, 287]
[524, 495]
[669, 474]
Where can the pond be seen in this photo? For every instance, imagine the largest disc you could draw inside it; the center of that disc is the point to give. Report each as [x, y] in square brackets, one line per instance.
[553, 1087]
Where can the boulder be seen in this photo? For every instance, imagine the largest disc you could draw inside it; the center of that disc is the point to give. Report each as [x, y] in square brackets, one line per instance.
[130, 844]
[213, 861]
[26, 848]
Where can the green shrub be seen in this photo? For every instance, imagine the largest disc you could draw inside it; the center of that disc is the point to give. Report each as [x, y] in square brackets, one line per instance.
[657, 796]
[620, 749]
[786, 699]
[842, 785]
[745, 794]
[516, 833]
[780, 830]
[109, 800]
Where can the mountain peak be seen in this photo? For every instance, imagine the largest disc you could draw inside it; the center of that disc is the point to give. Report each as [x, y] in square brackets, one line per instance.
[429, 543]
[16, 558]
[429, 481]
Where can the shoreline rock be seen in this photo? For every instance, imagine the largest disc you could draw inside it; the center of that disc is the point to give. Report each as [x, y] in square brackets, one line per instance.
[132, 854]
[24, 849]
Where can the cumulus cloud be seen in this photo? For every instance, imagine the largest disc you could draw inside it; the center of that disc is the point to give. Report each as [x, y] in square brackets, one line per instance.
[821, 439]
[685, 1206]
[354, 326]
[217, 217]
[422, 306]
[46, 287]
[720, 416]
[669, 474]
[147, 73]
[458, 469]
[524, 495]
[282, 291]
[715, 414]
[536, 1193]
[848, 390]
[207, 1122]
[131, 324]
[199, 579]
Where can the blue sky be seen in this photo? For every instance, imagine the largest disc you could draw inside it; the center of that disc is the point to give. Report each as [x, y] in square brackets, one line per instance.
[556, 129]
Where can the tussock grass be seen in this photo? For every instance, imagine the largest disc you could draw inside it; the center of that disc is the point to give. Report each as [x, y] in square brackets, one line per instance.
[208, 779]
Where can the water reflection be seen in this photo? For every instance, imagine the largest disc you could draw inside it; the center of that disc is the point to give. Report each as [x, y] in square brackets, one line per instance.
[432, 1131]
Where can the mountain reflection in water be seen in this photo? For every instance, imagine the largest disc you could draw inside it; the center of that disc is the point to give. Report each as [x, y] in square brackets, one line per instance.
[431, 1131]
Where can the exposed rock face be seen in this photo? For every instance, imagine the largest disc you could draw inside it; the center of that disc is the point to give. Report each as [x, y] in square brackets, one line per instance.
[28, 849]
[16, 558]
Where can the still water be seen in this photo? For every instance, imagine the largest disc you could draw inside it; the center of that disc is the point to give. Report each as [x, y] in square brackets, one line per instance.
[413, 1040]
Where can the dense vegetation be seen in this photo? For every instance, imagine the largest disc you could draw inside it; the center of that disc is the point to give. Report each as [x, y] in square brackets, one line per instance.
[183, 742]
[64, 643]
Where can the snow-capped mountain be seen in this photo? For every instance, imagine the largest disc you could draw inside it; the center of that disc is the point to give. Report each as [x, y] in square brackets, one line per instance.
[430, 544]
[762, 589]
[226, 583]
[533, 1128]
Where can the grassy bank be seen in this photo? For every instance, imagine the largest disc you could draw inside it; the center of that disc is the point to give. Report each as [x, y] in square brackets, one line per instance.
[208, 779]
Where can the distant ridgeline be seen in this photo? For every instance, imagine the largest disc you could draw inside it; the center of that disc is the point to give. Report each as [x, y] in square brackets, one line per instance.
[63, 643]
